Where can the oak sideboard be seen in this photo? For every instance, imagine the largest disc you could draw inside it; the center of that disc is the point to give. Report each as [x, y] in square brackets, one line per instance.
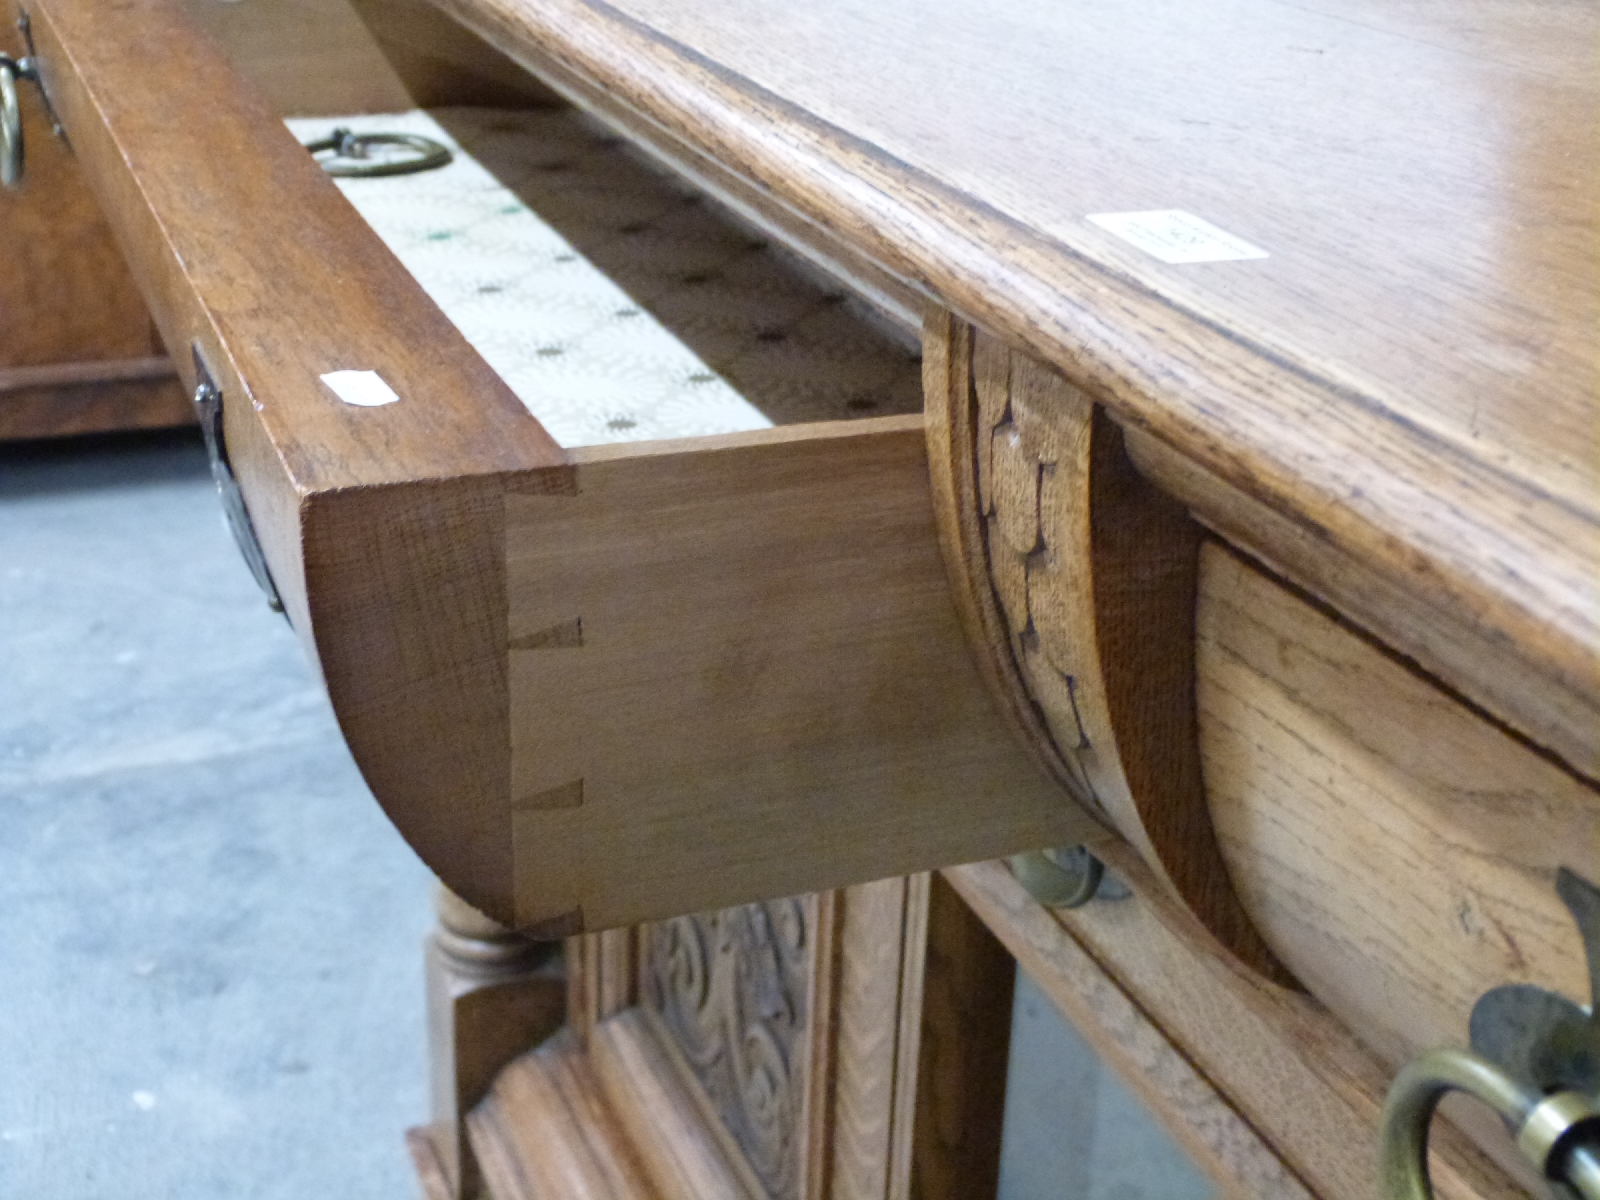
[821, 452]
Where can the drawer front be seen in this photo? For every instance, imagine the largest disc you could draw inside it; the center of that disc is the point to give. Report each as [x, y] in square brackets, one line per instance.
[1397, 849]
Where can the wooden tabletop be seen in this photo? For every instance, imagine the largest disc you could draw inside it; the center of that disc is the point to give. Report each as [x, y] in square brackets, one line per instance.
[1423, 177]
[1411, 374]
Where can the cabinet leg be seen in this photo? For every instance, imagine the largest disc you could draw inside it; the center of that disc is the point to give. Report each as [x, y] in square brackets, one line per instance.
[492, 993]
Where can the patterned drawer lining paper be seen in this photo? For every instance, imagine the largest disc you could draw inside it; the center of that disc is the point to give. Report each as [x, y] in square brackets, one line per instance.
[619, 304]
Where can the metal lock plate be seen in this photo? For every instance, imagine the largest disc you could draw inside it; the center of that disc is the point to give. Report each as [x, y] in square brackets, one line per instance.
[208, 407]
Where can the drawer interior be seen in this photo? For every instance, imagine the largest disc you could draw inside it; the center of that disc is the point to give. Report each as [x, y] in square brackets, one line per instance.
[621, 303]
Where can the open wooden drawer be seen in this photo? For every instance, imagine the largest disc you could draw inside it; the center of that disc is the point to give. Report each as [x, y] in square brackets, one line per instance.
[590, 685]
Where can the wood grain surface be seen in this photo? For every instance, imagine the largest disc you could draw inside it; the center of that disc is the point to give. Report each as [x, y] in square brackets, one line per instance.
[687, 1154]
[304, 56]
[147, 368]
[824, 974]
[1369, 381]
[65, 294]
[876, 1038]
[1395, 848]
[441, 63]
[431, 1177]
[1487, 668]
[491, 994]
[1221, 1143]
[66, 409]
[60, 399]
[337, 57]
[1269, 1095]
[1092, 573]
[736, 672]
[963, 1053]
[547, 1132]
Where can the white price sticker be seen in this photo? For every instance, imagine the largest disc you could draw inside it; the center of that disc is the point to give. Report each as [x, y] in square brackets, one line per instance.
[1175, 236]
[365, 388]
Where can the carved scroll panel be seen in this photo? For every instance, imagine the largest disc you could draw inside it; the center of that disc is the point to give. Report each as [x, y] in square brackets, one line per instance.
[731, 987]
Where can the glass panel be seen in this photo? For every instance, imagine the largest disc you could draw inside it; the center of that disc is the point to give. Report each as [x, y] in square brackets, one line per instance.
[1072, 1130]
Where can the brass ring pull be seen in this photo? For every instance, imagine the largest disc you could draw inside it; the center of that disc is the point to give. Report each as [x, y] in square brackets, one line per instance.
[1555, 1133]
[11, 120]
[357, 146]
[1059, 879]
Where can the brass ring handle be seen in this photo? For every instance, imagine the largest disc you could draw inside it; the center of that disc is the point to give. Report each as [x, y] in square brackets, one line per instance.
[10, 123]
[1066, 879]
[1547, 1127]
[348, 145]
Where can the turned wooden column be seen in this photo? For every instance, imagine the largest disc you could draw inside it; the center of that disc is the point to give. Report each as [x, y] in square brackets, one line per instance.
[492, 993]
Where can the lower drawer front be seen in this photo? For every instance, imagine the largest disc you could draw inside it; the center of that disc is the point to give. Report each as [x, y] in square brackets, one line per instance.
[78, 352]
[1284, 776]
[1397, 849]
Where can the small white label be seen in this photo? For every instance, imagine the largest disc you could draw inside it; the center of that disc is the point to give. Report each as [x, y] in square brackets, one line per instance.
[365, 388]
[1175, 236]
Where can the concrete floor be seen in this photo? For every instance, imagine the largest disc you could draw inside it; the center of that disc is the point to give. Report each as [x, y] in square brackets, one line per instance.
[210, 983]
